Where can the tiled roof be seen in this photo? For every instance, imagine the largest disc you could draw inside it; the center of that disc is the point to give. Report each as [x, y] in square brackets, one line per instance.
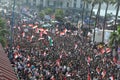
[6, 70]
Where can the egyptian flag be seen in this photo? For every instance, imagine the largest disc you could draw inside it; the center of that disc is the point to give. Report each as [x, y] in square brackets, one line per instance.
[28, 64]
[111, 77]
[18, 47]
[88, 76]
[28, 58]
[41, 38]
[52, 78]
[37, 30]
[31, 38]
[60, 56]
[31, 25]
[34, 27]
[44, 54]
[44, 32]
[75, 46]
[62, 33]
[41, 34]
[102, 50]
[15, 55]
[23, 34]
[19, 28]
[41, 29]
[88, 59]
[98, 70]
[58, 62]
[65, 30]
[108, 50]
[103, 73]
[114, 60]
[24, 25]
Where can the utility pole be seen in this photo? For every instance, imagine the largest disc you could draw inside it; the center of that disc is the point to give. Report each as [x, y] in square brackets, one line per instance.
[12, 31]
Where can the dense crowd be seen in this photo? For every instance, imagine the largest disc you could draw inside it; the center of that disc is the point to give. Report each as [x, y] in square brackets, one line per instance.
[60, 53]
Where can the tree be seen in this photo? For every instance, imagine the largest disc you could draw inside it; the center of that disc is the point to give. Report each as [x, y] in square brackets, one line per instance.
[115, 38]
[59, 14]
[117, 11]
[99, 2]
[93, 2]
[42, 14]
[48, 11]
[107, 2]
[85, 2]
[3, 32]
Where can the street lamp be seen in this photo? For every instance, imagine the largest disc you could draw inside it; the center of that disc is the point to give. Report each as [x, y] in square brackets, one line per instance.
[12, 25]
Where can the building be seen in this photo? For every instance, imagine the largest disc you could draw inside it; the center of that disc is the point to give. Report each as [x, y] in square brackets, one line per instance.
[6, 70]
[73, 4]
[111, 9]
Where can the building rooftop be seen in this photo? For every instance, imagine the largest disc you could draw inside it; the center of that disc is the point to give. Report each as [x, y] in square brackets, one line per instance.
[6, 70]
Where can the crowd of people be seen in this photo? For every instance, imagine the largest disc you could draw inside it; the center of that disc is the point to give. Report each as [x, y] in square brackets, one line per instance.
[59, 54]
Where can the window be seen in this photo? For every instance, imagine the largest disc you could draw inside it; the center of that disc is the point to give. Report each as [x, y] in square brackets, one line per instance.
[74, 5]
[67, 4]
[61, 4]
[75, 0]
[48, 2]
[81, 5]
[54, 3]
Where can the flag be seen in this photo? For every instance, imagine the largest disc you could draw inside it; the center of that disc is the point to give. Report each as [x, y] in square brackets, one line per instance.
[37, 30]
[41, 29]
[114, 60]
[98, 70]
[65, 30]
[44, 54]
[24, 25]
[75, 46]
[44, 32]
[41, 34]
[103, 73]
[28, 58]
[19, 28]
[108, 50]
[23, 34]
[16, 56]
[62, 33]
[58, 62]
[31, 25]
[111, 77]
[102, 51]
[40, 38]
[88, 76]
[34, 27]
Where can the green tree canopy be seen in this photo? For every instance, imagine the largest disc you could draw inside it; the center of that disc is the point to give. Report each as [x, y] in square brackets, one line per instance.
[3, 32]
[42, 14]
[115, 38]
[59, 14]
[48, 11]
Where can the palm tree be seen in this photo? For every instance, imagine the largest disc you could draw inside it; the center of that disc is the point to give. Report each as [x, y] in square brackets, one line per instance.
[97, 16]
[3, 32]
[117, 11]
[107, 2]
[85, 2]
[93, 2]
[114, 41]
[115, 37]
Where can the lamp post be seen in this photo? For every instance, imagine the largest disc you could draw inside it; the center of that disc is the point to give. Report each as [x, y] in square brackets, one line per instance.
[12, 25]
